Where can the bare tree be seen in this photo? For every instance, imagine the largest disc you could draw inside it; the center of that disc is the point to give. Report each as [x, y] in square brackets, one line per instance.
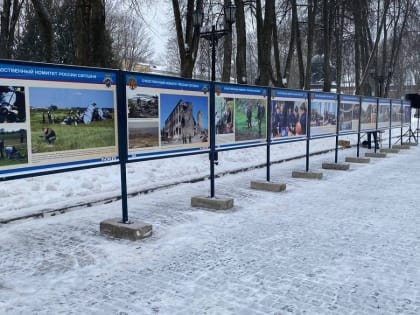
[187, 35]
[8, 20]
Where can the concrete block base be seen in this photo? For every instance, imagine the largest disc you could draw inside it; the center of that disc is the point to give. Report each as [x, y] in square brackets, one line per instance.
[375, 154]
[351, 159]
[344, 143]
[335, 166]
[389, 150]
[212, 203]
[413, 144]
[401, 146]
[308, 175]
[131, 231]
[269, 186]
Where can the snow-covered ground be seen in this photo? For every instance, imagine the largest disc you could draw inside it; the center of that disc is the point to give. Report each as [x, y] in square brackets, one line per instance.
[346, 244]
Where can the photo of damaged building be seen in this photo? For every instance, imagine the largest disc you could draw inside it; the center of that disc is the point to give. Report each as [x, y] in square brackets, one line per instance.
[182, 127]
[143, 106]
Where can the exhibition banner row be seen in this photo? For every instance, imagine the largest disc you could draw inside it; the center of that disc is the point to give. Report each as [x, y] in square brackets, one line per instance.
[56, 117]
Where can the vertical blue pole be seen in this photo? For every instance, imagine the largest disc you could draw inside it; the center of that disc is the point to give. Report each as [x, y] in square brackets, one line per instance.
[268, 128]
[377, 123]
[212, 111]
[122, 141]
[337, 129]
[390, 124]
[358, 129]
[308, 129]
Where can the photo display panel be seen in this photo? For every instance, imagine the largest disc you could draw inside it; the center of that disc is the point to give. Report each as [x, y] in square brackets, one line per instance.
[240, 115]
[323, 114]
[349, 112]
[289, 115]
[406, 113]
[166, 115]
[56, 117]
[384, 113]
[368, 113]
[396, 113]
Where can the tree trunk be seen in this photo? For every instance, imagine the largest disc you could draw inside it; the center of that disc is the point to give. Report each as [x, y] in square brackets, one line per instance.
[241, 71]
[312, 5]
[8, 21]
[278, 80]
[187, 48]
[227, 53]
[339, 43]
[327, 18]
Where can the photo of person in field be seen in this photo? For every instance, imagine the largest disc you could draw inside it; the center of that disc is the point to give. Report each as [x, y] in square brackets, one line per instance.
[250, 119]
[71, 119]
[13, 146]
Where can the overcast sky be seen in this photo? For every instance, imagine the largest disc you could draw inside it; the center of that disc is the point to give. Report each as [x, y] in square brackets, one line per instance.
[156, 17]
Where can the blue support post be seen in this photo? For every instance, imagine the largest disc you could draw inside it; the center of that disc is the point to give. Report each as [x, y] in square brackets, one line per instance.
[123, 142]
[268, 119]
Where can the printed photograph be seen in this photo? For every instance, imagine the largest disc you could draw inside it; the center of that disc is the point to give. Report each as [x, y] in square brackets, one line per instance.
[368, 116]
[323, 117]
[183, 120]
[407, 114]
[250, 119]
[396, 115]
[142, 105]
[224, 115]
[143, 134]
[383, 115]
[71, 119]
[349, 117]
[12, 102]
[13, 146]
[288, 118]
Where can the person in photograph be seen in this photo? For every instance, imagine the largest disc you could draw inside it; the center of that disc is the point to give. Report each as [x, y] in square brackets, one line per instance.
[301, 124]
[49, 135]
[291, 121]
[249, 116]
[279, 119]
[260, 116]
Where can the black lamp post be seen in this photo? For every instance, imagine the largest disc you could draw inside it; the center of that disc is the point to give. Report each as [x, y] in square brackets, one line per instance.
[229, 13]
[213, 36]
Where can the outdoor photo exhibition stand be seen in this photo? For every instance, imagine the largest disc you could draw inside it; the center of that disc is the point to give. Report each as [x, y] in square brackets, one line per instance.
[59, 118]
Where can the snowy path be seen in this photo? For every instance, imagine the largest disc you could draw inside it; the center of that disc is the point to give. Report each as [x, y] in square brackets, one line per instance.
[347, 244]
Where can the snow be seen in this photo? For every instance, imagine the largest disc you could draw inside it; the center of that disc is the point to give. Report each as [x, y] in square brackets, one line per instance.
[346, 244]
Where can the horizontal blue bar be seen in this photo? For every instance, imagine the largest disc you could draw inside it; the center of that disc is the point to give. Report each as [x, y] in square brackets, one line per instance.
[369, 99]
[350, 98]
[287, 139]
[231, 145]
[324, 96]
[168, 152]
[240, 89]
[60, 165]
[289, 93]
[161, 82]
[49, 73]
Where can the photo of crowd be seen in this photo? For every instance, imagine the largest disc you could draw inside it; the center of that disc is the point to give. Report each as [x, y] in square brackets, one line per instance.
[288, 119]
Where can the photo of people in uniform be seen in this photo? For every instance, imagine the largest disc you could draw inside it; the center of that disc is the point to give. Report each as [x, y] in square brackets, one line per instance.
[13, 146]
[12, 104]
[250, 119]
[71, 119]
[288, 118]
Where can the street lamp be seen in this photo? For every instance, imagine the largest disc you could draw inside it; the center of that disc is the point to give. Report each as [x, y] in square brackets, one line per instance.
[213, 36]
